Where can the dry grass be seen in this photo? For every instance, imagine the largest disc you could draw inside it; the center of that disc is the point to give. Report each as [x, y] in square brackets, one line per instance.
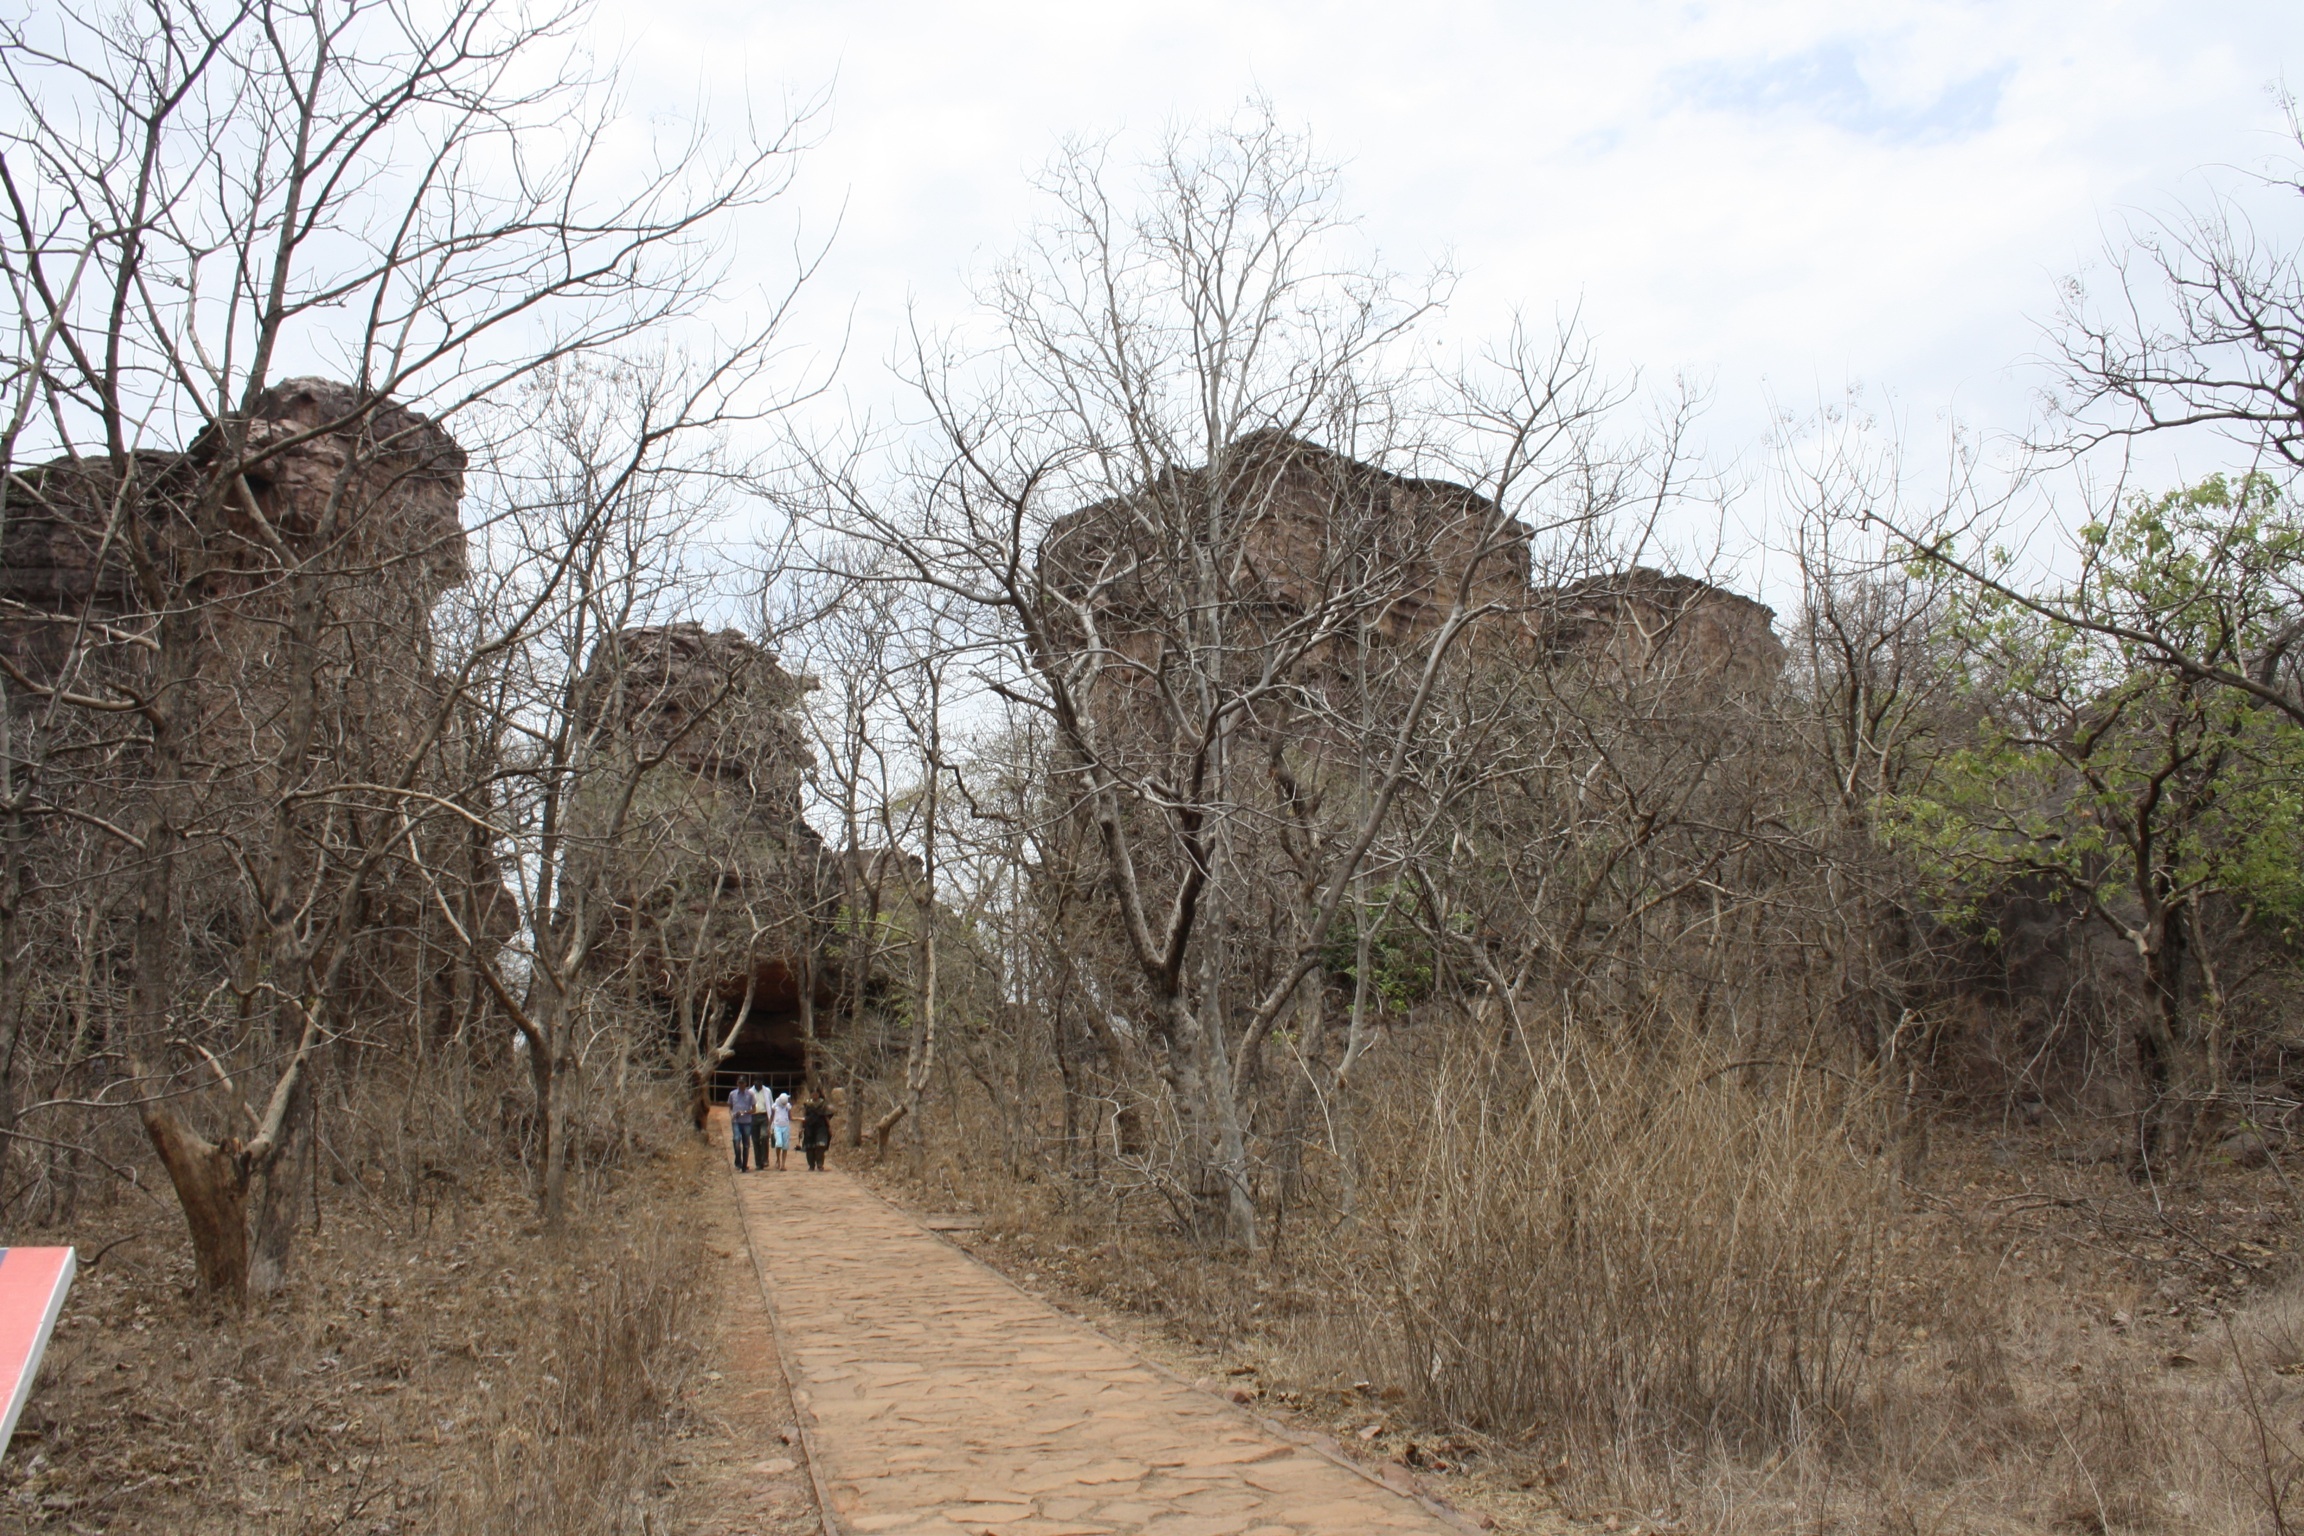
[437, 1366]
[1649, 1291]
[1628, 1250]
[576, 1439]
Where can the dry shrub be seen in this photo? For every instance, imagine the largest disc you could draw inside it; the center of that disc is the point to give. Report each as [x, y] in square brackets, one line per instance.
[1639, 1248]
[1640, 1278]
[2038, 1418]
[436, 1363]
[582, 1427]
[2236, 1459]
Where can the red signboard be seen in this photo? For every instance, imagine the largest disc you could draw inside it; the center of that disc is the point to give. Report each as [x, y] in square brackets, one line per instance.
[32, 1286]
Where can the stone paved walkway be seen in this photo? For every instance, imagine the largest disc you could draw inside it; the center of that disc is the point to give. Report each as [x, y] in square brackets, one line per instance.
[941, 1399]
[738, 1471]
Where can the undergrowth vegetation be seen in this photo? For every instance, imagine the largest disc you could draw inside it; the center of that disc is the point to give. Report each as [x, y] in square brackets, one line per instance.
[1705, 1300]
[1280, 803]
[439, 1367]
[1632, 1245]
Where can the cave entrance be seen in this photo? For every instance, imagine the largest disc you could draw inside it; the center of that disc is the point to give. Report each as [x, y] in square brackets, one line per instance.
[772, 1047]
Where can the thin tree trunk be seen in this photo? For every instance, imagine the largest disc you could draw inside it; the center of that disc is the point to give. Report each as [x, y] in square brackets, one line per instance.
[1231, 1143]
[920, 1053]
[2159, 1045]
[210, 1178]
[920, 1056]
[552, 1121]
[861, 919]
[1304, 1087]
[274, 1182]
[805, 980]
[692, 1053]
[1356, 1042]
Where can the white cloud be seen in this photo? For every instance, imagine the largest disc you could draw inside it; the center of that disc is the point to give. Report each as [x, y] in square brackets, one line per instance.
[1779, 196]
[1832, 84]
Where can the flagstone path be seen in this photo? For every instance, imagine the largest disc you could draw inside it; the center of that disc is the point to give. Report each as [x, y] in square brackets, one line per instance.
[939, 1398]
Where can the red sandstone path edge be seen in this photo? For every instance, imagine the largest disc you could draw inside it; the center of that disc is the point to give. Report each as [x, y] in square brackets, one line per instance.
[940, 1399]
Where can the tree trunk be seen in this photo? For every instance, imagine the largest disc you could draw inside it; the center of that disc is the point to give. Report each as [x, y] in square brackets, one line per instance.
[806, 980]
[1357, 1039]
[920, 1055]
[692, 1054]
[552, 1125]
[1187, 1080]
[1231, 1144]
[1303, 1088]
[1068, 1078]
[2211, 1057]
[859, 974]
[211, 1181]
[2159, 1046]
[12, 867]
[274, 1178]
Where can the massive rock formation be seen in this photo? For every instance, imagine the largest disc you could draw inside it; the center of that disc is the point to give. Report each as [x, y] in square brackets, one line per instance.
[716, 904]
[328, 473]
[1284, 530]
[173, 579]
[717, 914]
[1281, 529]
[395, 478]
[1644, 627]
[715, 704]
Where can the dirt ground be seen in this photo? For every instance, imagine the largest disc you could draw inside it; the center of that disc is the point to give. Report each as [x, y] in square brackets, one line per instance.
[440, 1368]
[741, 1471]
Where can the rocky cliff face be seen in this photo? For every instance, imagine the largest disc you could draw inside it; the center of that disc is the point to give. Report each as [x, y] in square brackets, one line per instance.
[385, 483]
[719, 913]
[319, 495]
[1282, 529]
[1302, 527]
[1644, 627]
[716, 703]
[368, 495]
[391, 480]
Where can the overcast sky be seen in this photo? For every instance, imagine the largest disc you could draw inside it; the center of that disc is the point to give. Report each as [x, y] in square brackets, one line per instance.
[1776, 198]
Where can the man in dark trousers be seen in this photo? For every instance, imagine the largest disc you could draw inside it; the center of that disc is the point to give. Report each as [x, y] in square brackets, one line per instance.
[815, 1133]
[740, 1120]
[763, 1100]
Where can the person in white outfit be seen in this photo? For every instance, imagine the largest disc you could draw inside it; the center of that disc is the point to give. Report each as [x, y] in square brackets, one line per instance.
[780, 1127]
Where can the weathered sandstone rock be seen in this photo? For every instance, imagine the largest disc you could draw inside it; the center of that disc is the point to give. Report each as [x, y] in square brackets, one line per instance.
[1285, 529]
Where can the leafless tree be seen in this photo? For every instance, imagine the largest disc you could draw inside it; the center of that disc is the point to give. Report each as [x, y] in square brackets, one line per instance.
[2198, 325]
[200, 198]
[621, 471]
[854, 646]
[1875, 673]
[1110, 486]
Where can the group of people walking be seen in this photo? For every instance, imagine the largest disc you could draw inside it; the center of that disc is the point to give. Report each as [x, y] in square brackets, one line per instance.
[760, 1120]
